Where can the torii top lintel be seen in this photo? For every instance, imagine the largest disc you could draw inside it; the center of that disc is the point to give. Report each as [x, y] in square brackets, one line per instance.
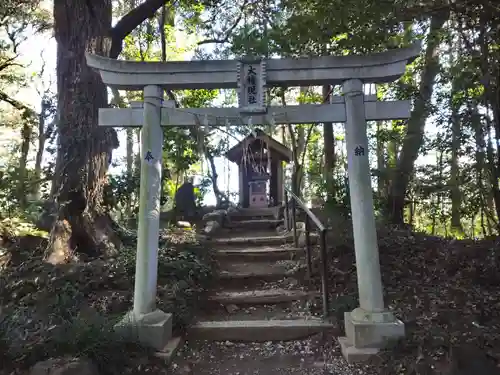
[380, 67]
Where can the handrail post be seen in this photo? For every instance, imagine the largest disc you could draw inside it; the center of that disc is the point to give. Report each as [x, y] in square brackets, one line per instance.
[294, 223]
[308, 247]
[286, 215]
[324, 274]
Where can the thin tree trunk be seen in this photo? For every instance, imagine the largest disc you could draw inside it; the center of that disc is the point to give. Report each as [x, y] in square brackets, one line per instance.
[434, 213]
[483, 227]
[219, 196]
[381, 181]
[329, 142]
[454, 184]
[491, 103]
[42, 137]
[416, 124]
[479, 137]
[130, 166]
[493, 190]
[26, 133]
[390, 165]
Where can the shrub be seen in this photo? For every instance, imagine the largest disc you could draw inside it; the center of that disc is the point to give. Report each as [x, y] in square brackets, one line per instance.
[56, 311]
[186, 270]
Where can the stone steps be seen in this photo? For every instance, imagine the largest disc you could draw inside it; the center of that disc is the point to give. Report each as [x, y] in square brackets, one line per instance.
[246, 213]
[261, 297]
[265, 240]
[254, 224]
[257, 330]
[260, 270]
[246, 253]
[292, 310]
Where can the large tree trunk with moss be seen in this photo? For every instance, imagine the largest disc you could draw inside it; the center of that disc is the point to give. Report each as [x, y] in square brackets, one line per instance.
[416, 124]
[84, 149]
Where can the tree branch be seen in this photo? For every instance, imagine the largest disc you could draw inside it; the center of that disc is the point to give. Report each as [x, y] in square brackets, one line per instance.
[15, 103]
[229, 31]
[9, 62]
[130, 21]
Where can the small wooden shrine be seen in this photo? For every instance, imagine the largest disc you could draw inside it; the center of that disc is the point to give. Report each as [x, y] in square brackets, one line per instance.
[260, 159]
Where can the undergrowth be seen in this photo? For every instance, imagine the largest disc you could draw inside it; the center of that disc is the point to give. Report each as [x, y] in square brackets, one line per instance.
[70, 310]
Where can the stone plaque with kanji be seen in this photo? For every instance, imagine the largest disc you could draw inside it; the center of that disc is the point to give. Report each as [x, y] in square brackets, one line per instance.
[251, 85]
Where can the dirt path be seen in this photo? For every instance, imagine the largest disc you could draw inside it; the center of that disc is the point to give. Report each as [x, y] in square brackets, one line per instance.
[314, 356]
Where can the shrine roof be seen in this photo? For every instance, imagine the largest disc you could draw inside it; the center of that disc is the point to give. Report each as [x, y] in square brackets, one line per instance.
[281, 152]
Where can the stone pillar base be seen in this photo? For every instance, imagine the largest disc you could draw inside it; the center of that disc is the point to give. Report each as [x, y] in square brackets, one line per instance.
[153, 329]
[368, 332]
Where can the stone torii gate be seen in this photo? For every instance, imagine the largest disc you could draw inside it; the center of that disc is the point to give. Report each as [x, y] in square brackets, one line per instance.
[371, 325]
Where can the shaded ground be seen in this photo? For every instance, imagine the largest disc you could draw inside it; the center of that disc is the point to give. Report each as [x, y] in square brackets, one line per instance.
[315, 356]
[70, 309]
[446, 291]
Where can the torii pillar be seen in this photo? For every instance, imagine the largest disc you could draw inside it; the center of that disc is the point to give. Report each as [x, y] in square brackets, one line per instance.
[371, 326]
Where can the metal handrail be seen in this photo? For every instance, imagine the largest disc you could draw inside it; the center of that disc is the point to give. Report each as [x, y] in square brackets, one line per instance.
[310, 217]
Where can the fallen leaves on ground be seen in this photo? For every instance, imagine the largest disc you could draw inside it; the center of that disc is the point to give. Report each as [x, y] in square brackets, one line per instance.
[39, 298]
[446, 291]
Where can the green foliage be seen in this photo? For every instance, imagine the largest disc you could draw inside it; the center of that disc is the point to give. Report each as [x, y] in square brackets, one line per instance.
[119, 190]
[186, 269]
[18, 227]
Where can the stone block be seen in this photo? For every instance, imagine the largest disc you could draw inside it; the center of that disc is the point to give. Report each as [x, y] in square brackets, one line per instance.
[375, 333]
[353, 354]
[64, 366]
[153, 329]
[211, 227]
[171, 349]
[217, 215]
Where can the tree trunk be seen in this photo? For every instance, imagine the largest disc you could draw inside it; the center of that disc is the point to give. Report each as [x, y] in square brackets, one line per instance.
[440, 199]
[329, 142]
[130, 166]
[493, 191]
[26, 132]
[42, 136]
[84, 149]
[298, 142]
[381, 181]
[456, 199]
[219, 196]
[416, 124]
[390, 165]
[491, 99]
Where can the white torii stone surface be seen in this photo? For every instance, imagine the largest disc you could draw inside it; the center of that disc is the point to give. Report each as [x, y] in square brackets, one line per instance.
[148, 324]
[297, 114]
[213, 74]
[369, 327]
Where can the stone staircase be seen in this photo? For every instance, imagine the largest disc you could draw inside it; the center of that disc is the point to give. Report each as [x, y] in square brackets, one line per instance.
[262, 294]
